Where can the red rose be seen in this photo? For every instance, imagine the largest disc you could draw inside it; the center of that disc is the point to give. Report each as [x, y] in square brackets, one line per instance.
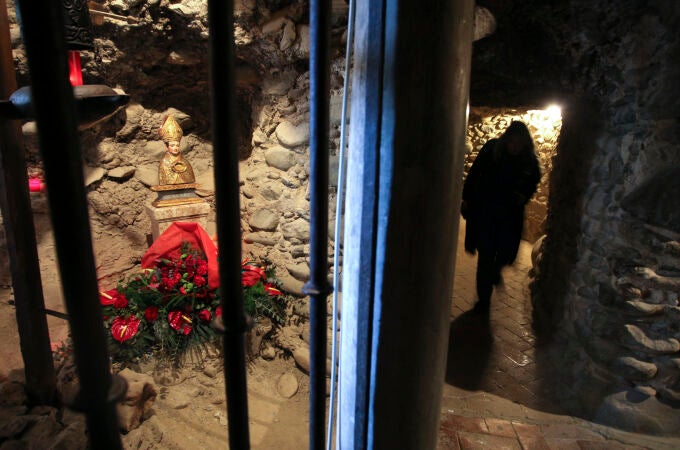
[204, 315]
[151, 313]
[183, 290]
[202, 269]
[249, 278]
[168, 283]
[218, 311]
[199, 281]
[120, 302]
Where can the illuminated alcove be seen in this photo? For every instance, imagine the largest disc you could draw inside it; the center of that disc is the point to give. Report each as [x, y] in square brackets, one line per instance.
[486, 123]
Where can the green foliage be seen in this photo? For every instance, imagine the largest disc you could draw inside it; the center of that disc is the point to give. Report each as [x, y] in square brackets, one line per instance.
[169, 308]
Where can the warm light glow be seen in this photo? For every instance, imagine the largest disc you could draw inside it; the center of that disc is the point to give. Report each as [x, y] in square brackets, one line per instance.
[75, 72]
[36, 185]
[554, 112]
[544, 123]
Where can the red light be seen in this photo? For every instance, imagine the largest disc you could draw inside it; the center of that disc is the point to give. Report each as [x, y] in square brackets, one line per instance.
[75, 72]
[36, 185]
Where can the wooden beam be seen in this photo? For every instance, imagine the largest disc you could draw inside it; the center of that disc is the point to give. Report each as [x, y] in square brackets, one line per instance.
[21, 243]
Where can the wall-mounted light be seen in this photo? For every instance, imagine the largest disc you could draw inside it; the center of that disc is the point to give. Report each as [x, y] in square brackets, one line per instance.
[36, 185]
[554, 112]
[75, 71]
[95, 102]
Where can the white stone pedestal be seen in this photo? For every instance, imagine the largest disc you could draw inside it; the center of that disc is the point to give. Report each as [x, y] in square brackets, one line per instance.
[162, 217]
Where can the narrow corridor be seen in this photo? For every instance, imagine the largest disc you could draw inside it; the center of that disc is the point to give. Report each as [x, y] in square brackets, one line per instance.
[500, 389]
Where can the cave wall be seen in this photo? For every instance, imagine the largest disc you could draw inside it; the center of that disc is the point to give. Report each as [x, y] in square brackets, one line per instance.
[609, 276]
[544, 126]
[161, 60]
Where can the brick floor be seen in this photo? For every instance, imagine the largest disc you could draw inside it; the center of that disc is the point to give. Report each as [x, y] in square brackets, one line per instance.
[500, 389]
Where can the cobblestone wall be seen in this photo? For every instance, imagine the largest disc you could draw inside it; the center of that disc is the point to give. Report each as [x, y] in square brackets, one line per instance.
[609, 278]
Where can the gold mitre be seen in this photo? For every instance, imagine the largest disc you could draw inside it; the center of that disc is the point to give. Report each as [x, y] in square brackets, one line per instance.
[170, 131]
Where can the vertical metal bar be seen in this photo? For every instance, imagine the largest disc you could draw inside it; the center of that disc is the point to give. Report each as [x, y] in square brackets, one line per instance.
[60, 148]
[23, 256]
[359, 260]
[318, 287]
[223, 100]
[339, 214]
[425, 93]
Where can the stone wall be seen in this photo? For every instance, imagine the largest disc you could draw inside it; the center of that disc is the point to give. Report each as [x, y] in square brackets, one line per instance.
[275, 179]
[609, 278]
[544, 126]
[161, 61]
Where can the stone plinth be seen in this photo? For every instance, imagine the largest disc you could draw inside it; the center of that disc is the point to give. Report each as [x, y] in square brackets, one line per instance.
[162, 217]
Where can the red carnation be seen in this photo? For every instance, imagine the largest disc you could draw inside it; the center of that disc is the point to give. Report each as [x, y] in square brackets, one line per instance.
[168, 283]
[202, 269]
[204, 315]
[151, 313]
[199, 281]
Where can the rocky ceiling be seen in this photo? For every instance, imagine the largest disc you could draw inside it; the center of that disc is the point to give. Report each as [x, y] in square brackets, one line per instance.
[521, 63]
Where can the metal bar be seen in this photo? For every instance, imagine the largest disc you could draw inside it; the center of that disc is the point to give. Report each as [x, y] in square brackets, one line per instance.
[223, 102]
[60, 149]
[425, 93]
[318, 287]
[339, 214]
[359, 260]
[21, 244]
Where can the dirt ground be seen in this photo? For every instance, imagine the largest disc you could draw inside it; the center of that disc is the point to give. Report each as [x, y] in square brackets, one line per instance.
[190, 414]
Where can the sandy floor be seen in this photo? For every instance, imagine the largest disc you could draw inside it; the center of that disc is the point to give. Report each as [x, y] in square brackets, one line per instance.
[192, 413]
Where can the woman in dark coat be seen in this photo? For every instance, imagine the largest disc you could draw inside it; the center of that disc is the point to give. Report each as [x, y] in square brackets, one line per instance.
[501, 181]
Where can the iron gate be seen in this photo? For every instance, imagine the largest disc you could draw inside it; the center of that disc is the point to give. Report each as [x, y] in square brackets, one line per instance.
[55, 114]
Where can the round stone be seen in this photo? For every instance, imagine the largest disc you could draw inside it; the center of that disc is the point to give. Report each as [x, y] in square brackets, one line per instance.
[264, 219]
[287, 386]
[292, 135]
[279, 158]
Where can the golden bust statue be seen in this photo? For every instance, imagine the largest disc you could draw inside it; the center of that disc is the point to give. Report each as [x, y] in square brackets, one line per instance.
[174, 169]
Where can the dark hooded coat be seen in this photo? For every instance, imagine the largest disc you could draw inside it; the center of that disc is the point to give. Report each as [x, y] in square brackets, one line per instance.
[496, 190]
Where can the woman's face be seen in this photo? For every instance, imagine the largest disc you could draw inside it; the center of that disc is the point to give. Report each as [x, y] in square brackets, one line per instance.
[173, 148]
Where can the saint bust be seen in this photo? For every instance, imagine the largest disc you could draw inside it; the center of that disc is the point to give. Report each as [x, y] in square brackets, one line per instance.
[173, 169]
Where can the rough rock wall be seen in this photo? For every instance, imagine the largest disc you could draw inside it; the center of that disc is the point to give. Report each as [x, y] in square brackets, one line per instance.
[489, 123]
[275, 191]
[609, 278]
[161, 61]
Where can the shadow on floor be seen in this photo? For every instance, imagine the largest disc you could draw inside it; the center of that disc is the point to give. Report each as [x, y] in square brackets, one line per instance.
[470, 347]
